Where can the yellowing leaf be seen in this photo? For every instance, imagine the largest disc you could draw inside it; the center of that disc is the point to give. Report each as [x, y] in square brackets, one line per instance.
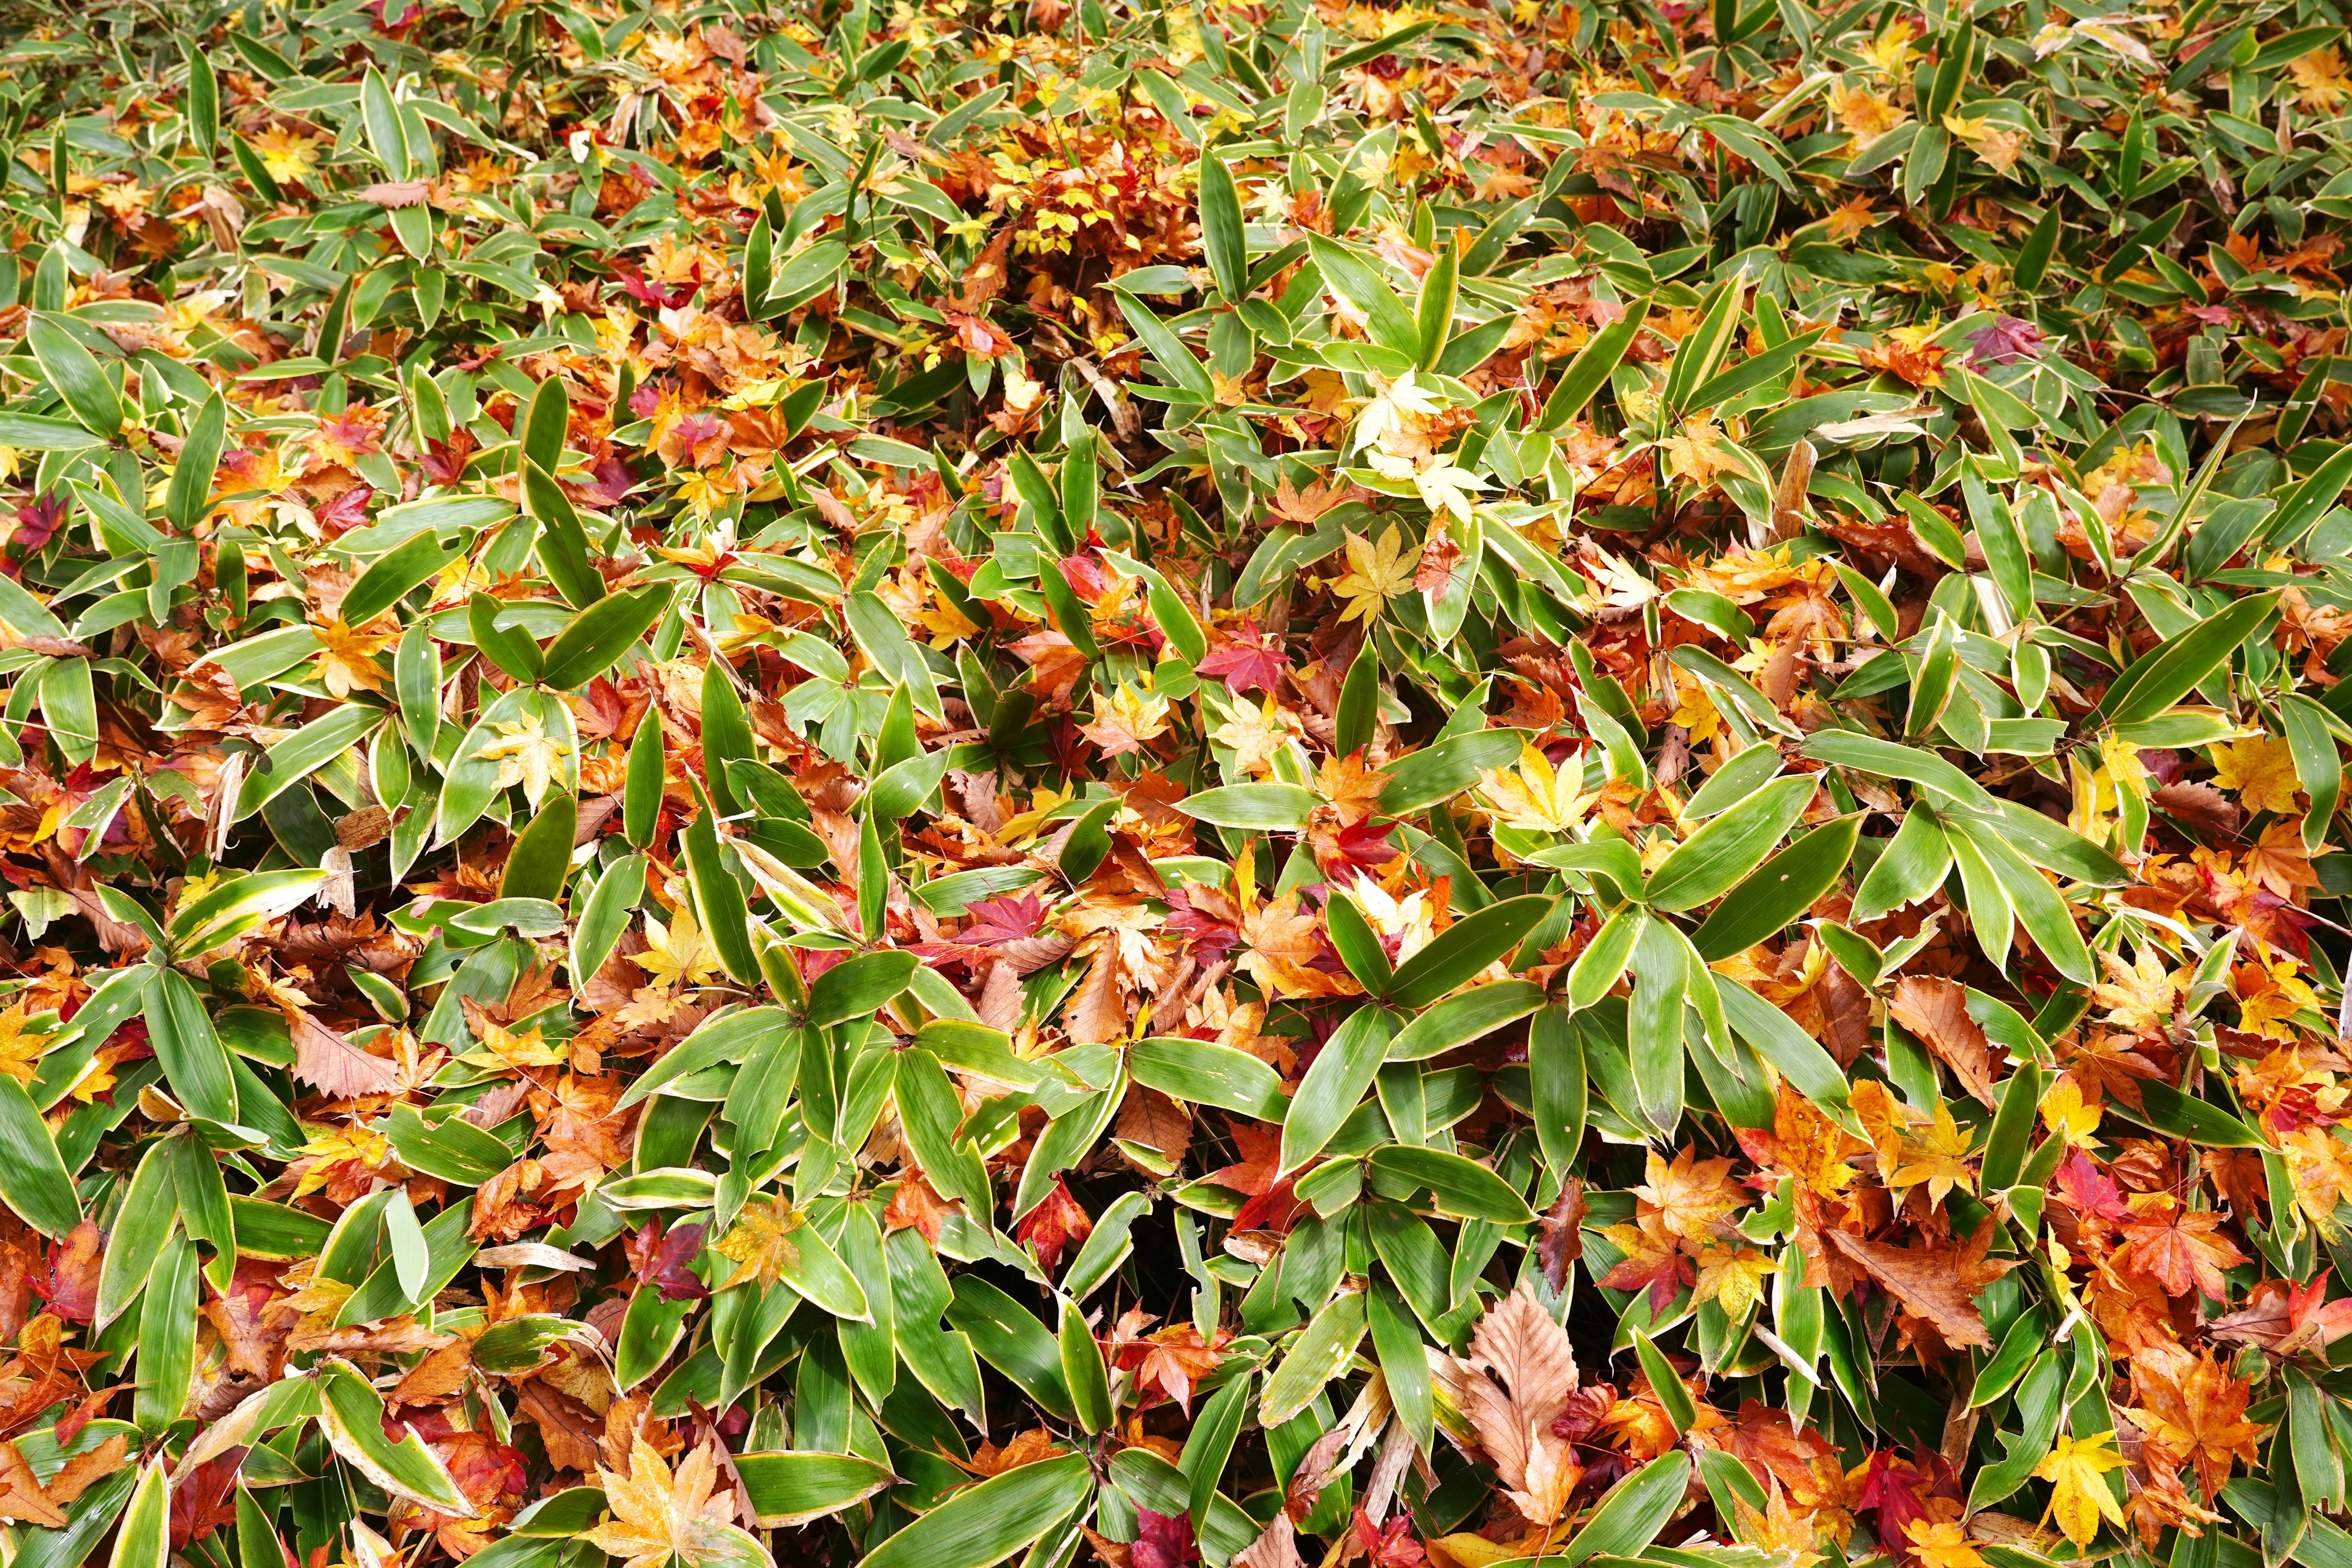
[2076, 1469]
[2259, 771]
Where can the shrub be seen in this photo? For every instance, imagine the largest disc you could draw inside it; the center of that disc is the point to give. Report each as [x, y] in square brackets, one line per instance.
[1255, 784]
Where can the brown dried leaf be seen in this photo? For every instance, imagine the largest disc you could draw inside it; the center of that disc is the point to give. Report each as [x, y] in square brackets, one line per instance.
[331, 1064]
[1936, 1010]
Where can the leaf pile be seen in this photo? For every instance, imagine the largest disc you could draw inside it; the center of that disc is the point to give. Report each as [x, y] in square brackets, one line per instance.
[1266, 784]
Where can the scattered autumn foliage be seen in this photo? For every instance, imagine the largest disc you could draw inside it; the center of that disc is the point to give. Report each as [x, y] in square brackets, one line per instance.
[909, 785]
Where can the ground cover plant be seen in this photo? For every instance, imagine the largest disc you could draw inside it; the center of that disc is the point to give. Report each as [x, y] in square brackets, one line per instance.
[1277, 784]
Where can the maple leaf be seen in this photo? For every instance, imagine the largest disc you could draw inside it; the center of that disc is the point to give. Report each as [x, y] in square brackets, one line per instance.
[1733, 1277]
[2076, 1469]
[1397, 406]
[1172, 1360]
[1282, 943]
[1375, 575]
[1125, 721]
[2175, 1246]
[1697, 453]
[2287, 1318]
[1941, 1544]
[2090, 1192]
[1248, 660]
[1387, 1545]
[347, 657]
[661, 1259]
[1900, 1492]
[760, 1242]
[37, 523]
[2007, 341]
[677, 956]
[1166, 1540]
[1534, 796]
[915, 1205]
[527, 755]
[657, 1515]
[1849, 219]
[21, 1047]
[1256, 734]
[1056, 1223]
[2260, 771]
[1652, 1260]
[2066, 1114]
[1940, 1159]
[1438, 555]
[1691, 1197]
[2140, 995]
[2198, 1415]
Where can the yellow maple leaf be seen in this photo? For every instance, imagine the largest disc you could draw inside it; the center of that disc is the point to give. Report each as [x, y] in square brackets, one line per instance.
[1939, 1158]
[759, 1242]
[1733, 1277]
[330, 1146]
[677, 955]
[2319, 80]
[2260, 771]
[657, 1515]
[1850, 219]
[287, 155]
[2076, 1471]
[1534, 795]
[1942, 1543]
[347, 659]
[1697, 453]
[528, 756]
[2066, 1115]
[1257, 733]
[1125, 720]
[1375, 575]
[21, 1049]
[2140, 995]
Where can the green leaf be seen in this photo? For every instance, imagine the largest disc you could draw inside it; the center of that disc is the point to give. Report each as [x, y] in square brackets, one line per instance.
[787, 1488]
[1460, 1187]
[599, 636]
[1724, 850]
[1779, 891]
[1319, 1355]
[73, 372]
[1589, 371]
[144, 1538]
[860, 987]
[2179, 664]
[1222, 239]
[32, 1178]
[1355, 281]
[1464, 948]
[1630, 1516]
[1335, 1084]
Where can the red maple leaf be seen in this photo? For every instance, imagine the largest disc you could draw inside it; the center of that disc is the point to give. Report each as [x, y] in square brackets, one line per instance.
[1053, 1225]
[71, 1287]
[1899, 1490]
[204, 1498]
[1250, 660]
[1388, 1544]
[37, 524]
[1166, 1541]
[661, 1259]
[2090, 1192]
